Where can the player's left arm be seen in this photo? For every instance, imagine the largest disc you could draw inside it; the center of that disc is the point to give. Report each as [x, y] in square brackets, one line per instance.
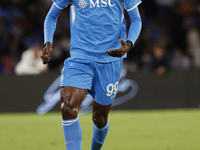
[133, 34]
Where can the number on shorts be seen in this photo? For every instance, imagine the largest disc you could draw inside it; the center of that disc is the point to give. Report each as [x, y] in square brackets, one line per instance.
[112, 89]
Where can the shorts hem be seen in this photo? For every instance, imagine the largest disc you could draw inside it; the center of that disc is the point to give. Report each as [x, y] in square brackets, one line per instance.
[102, 103]
[79, 87]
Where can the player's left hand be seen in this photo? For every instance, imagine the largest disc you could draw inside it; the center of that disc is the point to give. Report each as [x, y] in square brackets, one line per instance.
[125, 47]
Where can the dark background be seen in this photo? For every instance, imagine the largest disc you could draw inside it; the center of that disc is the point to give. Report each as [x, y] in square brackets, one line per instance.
[172, 25]
[174, 90]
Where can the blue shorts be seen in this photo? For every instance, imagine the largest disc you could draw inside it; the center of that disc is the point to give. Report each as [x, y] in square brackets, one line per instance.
[101, 79]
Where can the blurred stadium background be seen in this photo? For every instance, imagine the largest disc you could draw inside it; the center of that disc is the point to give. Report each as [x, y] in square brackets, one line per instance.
[162, 71]
[172, 25]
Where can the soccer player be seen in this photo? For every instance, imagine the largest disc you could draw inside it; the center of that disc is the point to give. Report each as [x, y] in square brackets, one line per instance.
[98, 46]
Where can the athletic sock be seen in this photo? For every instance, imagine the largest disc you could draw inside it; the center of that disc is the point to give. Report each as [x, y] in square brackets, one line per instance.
[72, 133]
[99, 136]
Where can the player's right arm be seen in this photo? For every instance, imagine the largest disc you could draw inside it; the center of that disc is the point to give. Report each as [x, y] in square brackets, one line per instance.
[50, 26]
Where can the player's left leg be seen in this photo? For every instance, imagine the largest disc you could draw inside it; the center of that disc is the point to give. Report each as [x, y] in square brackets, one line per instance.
[104, 90]
[100, 126]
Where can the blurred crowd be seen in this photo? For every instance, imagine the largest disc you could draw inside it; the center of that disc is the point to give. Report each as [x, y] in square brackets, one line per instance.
[170, 37]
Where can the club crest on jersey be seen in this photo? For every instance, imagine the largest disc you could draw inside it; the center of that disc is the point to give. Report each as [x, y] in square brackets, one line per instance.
[82, 4]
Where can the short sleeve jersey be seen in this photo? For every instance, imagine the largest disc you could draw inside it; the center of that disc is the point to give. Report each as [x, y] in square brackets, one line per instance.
[96, 26]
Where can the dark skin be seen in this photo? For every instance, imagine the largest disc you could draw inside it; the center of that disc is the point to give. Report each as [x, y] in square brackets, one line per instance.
[71, 97]
[125, 47]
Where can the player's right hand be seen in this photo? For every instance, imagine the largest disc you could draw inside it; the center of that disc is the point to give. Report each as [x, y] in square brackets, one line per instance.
[46, 53]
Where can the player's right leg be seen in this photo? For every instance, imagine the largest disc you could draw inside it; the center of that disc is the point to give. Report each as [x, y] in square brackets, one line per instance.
[76, 80]
[71, 99]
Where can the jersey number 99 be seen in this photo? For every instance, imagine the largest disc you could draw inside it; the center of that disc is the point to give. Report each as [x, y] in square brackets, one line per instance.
[112, 89]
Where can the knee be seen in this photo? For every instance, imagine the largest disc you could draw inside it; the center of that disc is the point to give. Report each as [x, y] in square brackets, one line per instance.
[69, 110]
[99, 120]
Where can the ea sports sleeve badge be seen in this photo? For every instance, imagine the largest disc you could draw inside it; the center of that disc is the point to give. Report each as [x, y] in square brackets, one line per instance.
[131, 4]
[61, 4]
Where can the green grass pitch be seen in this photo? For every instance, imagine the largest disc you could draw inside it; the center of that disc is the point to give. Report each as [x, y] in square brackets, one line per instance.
[129, 130]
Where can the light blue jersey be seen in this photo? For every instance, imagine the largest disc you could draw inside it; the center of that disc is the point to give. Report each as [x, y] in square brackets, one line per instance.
[96, 26]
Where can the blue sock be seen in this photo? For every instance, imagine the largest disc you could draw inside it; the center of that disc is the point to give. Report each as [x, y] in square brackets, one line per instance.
[99, 136]
[73, 134]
